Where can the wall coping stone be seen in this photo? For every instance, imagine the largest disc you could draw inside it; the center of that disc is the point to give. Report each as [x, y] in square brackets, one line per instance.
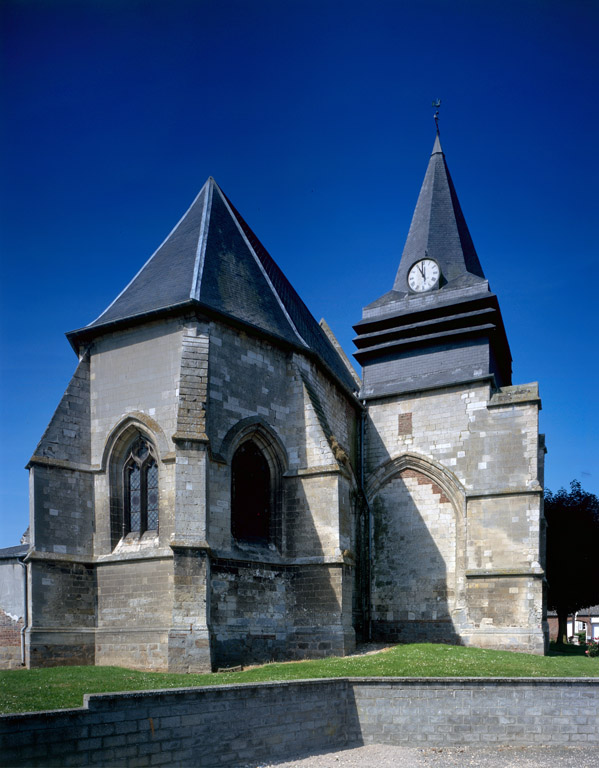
[516, 394]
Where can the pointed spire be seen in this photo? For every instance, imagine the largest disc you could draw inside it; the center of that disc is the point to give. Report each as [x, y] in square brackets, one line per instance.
[438, 230]
[457, 322]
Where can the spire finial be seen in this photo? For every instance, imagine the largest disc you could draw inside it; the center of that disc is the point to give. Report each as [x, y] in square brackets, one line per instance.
[436, 105]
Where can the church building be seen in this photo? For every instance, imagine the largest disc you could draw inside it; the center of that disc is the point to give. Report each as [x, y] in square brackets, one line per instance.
[218, 487]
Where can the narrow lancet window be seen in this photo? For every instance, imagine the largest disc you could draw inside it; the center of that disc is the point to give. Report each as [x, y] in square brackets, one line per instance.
[250, 495]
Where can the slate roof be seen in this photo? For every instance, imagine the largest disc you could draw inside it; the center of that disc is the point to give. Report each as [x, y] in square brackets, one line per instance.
[439, 231]
[8, 553]
[213, 260]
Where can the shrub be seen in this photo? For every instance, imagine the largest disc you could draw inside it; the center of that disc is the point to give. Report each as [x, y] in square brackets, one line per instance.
[582, 637]
[592, 648]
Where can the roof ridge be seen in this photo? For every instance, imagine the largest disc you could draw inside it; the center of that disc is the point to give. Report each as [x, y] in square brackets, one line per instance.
[198, 269]
[233, 211]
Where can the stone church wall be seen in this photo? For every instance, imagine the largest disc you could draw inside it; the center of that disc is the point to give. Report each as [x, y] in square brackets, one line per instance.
[416, 537]
[189, 637]
[135, 377]
[248, 380]
[135, 370]
[152, 601]
[61, 581]
[299, 616]
[481, 449]
[134, 613]
[63, 608]
[60, 484]
[299, 581]
[64, 510]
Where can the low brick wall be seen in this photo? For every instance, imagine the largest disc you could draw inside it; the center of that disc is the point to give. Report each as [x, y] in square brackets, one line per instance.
[228, 725]
[481, 711]
[241, 724]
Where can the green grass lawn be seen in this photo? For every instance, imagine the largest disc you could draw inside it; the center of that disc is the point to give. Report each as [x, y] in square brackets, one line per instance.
[61, 687]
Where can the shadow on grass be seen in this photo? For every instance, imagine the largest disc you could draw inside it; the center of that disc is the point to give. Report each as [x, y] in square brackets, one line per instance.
[566, 649]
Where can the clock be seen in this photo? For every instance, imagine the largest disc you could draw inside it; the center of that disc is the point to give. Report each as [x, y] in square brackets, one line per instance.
[424, 275]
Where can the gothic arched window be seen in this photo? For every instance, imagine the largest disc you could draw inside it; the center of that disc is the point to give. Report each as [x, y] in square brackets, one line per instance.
[140, 488]
[251, 497]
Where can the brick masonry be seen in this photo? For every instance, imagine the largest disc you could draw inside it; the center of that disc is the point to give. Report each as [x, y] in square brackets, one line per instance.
[10, 641]
[12, 611]
[236, 725]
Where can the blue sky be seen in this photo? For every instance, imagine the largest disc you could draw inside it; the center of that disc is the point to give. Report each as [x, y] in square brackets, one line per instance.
[315, 119]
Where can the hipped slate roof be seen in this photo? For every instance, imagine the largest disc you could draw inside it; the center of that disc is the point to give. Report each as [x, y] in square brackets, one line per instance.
[438, 229]
[213, 260]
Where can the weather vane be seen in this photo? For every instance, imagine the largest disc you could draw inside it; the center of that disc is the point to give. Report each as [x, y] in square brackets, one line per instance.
[436, 105]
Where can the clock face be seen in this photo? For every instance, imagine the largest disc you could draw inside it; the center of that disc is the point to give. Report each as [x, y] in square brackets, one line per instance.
[423, 275]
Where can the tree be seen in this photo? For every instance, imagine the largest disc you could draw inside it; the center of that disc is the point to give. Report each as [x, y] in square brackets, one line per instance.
[572, 552]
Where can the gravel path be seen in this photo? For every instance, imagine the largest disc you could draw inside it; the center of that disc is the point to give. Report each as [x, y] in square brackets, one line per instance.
[383, 756]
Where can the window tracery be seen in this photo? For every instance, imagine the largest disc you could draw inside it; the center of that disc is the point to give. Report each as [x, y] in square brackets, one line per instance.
[140, 488]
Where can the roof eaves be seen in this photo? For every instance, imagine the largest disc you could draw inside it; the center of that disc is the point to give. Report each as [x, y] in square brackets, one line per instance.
[20, 550]
[89, 331]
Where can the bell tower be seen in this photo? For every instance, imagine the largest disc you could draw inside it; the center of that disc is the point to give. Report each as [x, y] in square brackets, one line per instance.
[440, 324]
[453, 457]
